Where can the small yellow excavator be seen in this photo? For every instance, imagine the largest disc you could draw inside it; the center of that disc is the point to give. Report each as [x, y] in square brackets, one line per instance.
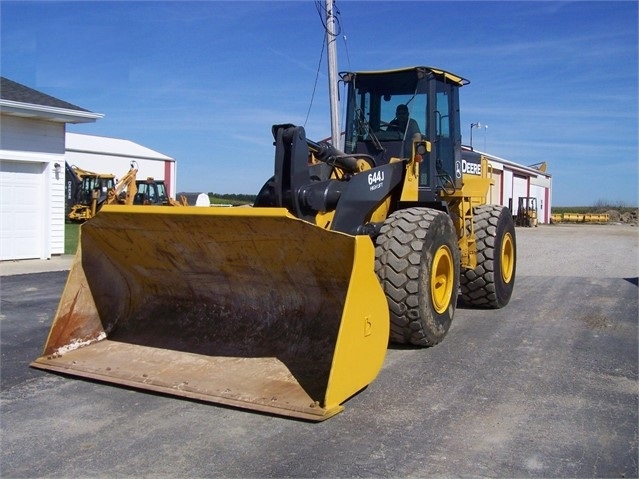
[288, 307]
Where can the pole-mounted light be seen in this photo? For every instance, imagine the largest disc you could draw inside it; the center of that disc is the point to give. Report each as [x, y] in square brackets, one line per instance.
[473, 125]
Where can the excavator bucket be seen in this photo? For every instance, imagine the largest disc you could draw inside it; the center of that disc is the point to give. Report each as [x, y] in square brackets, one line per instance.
[248, 307]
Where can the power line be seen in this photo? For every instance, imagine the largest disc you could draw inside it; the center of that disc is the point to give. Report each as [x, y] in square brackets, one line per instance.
[322, 13]
[319, 65]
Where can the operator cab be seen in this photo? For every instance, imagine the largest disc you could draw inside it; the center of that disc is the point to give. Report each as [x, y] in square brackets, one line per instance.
[95, 185]
[150, 192]
[432, 98]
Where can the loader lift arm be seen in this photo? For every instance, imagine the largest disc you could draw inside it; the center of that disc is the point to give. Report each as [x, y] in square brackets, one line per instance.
[351, 186]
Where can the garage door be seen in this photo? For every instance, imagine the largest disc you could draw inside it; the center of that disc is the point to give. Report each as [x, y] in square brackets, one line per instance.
[21, 209]
[520, 189]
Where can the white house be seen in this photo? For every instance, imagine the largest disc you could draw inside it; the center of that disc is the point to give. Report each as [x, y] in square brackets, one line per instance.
[32, 155]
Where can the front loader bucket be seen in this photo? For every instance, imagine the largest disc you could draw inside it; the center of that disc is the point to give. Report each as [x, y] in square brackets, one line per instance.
[248, 307]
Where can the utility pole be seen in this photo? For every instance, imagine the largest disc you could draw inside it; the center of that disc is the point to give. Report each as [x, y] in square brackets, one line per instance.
[332, 74]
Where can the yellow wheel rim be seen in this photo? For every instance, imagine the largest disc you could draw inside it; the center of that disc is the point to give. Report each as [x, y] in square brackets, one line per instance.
[442, 278]
[507, 258]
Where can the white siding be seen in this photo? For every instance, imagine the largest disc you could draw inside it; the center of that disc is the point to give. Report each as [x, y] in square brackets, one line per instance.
[56, 228]
[507, 193]
[520, 188]
[24, 134]
[540, 180]
[539, 193]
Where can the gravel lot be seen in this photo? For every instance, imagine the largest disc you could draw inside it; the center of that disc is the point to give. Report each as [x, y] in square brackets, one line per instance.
[607, 251]
[546, 387]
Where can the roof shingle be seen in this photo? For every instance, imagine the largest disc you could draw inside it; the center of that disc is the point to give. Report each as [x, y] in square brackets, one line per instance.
[13, 91]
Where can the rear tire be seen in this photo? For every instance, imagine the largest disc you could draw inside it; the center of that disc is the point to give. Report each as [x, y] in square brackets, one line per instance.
[417, 263]
[491, 283]
[266, 197]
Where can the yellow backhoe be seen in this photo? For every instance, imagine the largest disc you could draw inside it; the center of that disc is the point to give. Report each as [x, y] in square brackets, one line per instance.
[153, 192]
[86, 191]
[90, 191]
[287, 307]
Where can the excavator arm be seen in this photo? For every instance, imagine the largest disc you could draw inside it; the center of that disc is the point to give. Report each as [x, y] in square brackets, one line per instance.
[126, 185]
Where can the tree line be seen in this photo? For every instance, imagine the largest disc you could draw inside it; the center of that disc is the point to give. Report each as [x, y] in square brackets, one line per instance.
[231, 198]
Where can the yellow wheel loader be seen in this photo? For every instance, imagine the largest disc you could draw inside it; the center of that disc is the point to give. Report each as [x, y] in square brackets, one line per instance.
[287, 307]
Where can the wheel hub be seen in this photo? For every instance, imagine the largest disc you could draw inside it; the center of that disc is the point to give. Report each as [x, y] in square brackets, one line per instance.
[441, 279]
[507, 258]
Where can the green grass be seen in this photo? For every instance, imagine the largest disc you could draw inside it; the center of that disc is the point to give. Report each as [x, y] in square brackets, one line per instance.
[71, 235]
[218, 200]
[231, 199]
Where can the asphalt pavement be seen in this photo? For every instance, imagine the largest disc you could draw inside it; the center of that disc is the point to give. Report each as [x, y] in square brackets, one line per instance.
[545, 387]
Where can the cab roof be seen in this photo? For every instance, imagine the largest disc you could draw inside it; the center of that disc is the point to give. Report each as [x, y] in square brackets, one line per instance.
[423, 70]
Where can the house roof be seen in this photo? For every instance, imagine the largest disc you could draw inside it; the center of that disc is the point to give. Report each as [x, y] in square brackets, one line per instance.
[20, 100]
[10, 90]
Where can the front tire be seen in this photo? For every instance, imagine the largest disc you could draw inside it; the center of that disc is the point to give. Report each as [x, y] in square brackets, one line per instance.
[490, 284]
[417, 262]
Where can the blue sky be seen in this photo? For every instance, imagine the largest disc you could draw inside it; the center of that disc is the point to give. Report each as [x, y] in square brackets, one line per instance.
[204, 81]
